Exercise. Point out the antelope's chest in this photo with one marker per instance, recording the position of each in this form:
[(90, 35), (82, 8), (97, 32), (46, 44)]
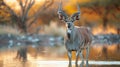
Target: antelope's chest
[(72, 45)]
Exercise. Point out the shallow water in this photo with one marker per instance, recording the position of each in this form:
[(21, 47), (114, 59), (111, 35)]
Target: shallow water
[(61, 64), (57, 57)]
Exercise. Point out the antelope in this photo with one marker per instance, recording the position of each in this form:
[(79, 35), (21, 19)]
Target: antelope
[(77, 38)]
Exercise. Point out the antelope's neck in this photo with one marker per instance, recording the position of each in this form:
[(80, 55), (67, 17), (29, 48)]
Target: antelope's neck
[(70, 34)]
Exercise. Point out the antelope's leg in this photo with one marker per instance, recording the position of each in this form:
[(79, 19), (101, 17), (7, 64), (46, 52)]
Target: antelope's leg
[(77, 55), (87, 55), (70, 58), (81, 56)]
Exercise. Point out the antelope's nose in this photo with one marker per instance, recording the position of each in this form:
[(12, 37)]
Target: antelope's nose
[(68, 25)]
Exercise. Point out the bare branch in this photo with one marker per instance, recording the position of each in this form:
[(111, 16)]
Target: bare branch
[(11, 11), (22, 10), (46, 5), (96, 10), (21, 4), (30, 4), (49, 4), (26, 1)]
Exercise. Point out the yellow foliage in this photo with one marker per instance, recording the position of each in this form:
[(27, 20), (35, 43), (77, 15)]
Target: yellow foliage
[(83, 1), (70, 8)]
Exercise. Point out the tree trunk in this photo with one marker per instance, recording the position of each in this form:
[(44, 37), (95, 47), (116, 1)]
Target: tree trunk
[(105, 23), (22, 26), (118, 30)]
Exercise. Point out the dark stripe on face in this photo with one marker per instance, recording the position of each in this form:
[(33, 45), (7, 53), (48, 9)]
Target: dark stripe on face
[(68, 35)]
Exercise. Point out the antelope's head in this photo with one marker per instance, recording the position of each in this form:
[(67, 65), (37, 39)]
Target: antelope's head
[(68, 20)]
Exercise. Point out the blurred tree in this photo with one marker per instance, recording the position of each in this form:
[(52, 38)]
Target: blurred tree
[(23, 19), (4, 16), (108, 10)]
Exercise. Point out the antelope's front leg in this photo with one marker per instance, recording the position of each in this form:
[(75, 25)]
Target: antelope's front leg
[(77, 55), (81, 56), (70, 58)]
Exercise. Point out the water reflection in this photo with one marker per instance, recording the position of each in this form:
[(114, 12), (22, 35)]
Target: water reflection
[(43, 56)]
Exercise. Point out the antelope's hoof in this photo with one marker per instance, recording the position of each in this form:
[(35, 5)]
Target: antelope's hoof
[(69, 65), (76, 65), (87, 64), (81, 64)]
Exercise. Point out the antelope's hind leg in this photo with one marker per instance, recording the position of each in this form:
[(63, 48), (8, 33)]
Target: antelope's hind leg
[(87, 55), (70, 58)]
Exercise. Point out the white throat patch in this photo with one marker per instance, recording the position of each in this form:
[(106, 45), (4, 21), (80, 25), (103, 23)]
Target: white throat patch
[(69, 31)]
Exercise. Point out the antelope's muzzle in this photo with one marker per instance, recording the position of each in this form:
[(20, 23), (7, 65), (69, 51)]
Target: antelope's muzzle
[(68, 35)]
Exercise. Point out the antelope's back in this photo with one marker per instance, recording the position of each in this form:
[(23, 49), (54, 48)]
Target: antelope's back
[(85, 34)]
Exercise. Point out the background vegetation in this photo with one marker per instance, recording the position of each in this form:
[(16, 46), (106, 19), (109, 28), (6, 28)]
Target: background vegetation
[(31, 16)]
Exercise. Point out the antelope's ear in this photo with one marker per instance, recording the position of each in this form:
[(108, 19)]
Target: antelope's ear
[(76, 16), (61, 13), (60, 17)]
